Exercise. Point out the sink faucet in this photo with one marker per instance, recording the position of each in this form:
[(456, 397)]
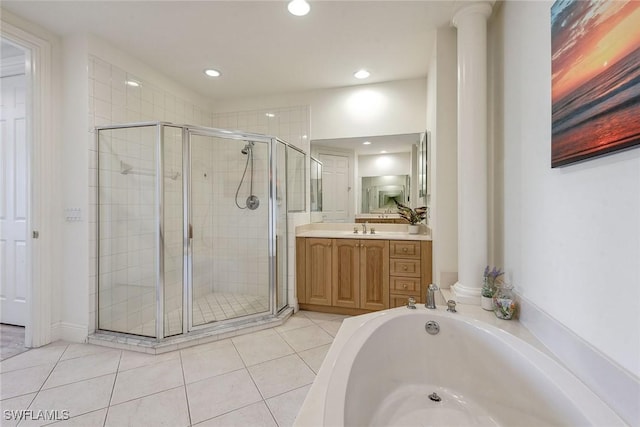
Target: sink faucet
[(364, 227), (431, 296)]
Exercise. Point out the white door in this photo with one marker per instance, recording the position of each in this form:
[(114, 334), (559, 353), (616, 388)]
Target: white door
[(13, 201), (335, 188)]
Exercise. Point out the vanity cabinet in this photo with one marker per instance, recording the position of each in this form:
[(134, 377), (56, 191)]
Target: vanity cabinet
[(318, 271), (406, 271), (355, 276)]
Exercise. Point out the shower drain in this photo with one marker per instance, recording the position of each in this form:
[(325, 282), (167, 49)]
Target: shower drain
[(434, 397)]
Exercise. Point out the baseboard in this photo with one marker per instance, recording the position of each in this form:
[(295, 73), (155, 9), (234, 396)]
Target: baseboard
[(616, 386), (69, 332)]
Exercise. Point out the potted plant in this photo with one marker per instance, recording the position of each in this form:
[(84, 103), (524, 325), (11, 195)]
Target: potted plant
[(413, 216), (489, 286)]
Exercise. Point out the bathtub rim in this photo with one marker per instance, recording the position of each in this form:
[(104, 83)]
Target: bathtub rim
[(351, 336)]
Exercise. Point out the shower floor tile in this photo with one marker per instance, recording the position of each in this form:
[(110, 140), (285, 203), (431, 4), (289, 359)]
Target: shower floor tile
[(212, 307)]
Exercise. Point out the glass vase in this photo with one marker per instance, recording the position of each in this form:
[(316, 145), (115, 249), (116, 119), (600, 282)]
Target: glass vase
[(504, 303)]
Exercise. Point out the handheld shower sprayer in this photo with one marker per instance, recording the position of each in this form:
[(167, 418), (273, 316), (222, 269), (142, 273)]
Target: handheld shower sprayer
[(252, 202)]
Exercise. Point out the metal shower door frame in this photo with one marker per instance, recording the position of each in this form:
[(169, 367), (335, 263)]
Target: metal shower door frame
[(187, 312)]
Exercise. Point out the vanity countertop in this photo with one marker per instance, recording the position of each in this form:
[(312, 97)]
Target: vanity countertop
[(345, 231)]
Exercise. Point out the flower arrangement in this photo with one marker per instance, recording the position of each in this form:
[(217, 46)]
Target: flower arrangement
[(490, 277), (413, 216)]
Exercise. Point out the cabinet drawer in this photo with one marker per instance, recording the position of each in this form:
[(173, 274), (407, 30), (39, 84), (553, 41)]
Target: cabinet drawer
[(405, 284), (404, 249), (404, 267)]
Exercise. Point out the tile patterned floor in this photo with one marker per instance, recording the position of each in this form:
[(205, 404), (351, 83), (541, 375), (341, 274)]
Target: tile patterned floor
[(11, 340), (260, 379)]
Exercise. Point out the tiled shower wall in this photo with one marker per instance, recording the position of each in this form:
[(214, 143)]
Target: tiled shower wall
[(112, 101)]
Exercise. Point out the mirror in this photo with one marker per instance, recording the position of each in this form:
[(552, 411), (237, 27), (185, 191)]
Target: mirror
[(380, 193), (315, 172), (345, 162)]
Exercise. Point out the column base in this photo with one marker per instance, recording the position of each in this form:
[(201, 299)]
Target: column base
[(466, 295)]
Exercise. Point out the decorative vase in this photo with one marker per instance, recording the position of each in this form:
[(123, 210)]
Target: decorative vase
[(414, 228), (504, 302), (486, 303)]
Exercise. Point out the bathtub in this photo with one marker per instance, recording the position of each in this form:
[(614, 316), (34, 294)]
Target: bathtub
[(384, 369)]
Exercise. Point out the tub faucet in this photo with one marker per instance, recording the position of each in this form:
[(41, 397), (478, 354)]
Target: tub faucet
[(431, 296)]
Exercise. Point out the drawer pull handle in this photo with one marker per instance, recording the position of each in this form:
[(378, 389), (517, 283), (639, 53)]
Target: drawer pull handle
[(404, 286), (404, 268), (404, 249)]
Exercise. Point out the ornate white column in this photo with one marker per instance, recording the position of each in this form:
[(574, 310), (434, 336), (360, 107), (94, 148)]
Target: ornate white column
[(471, 22)]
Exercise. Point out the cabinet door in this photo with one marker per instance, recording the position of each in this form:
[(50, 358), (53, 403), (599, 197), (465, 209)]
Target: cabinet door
[(374, 274), (346, 273), (318, 271)]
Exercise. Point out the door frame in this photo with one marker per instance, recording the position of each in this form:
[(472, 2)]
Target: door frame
[(41, 143)]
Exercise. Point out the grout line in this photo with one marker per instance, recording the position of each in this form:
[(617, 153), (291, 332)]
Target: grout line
[(184, 385), (113, 388)]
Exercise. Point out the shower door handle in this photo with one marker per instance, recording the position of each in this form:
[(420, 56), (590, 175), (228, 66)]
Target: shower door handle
[(190, 231)]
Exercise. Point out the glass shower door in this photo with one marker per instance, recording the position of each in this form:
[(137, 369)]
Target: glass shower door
[(229, 233)]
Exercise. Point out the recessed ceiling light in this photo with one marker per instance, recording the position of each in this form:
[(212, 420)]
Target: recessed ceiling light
[(366, 143), (132, 83), (270, 115), (298, 7), (212, 73), (383, 152), (361, 74), (304, 136)]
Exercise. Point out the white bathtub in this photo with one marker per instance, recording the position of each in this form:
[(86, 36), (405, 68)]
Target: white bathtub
[(383, 366)]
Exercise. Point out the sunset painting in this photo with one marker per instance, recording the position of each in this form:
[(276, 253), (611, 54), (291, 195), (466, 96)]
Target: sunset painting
[(595, 67)]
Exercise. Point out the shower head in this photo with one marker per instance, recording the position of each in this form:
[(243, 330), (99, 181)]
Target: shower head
[(247, 148)]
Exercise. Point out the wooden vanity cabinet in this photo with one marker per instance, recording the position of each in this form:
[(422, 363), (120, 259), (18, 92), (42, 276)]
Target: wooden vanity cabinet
[(355, 276), (410, 271), (318, 271), (360, 274)]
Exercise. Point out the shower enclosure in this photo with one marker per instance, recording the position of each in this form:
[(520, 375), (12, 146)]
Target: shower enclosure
[(191, 228)]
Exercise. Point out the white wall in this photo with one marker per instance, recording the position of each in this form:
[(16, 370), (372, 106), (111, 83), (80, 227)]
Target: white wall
[(390, 108), (571, 242), (384, 164), (441, 121)]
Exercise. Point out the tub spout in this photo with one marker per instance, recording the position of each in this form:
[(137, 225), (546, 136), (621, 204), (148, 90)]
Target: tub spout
[(431, 296)]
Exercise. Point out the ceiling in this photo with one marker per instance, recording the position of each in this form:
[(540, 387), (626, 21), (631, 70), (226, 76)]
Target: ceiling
[(389, 143), (258, 46)]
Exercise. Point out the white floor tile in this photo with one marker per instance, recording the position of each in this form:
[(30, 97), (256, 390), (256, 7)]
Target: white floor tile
[(135, 359), (256, 415), (315, 356), (91, 419), (285, 407), (146, 380), (305, 338), (15, 404), (331, 326), (294, 322), (79, 350), (46, 355), (281, 375), (23, 381), (167, 408), (219, 395), (77, 398), (259, 347), (222, 359), (84, 367), (317, 316)]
